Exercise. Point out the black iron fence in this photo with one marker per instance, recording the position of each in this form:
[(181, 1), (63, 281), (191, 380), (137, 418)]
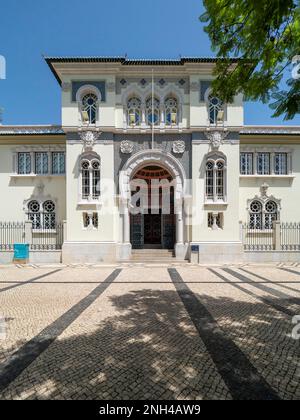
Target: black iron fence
[(281, 237), (39, 239), (11, 233)]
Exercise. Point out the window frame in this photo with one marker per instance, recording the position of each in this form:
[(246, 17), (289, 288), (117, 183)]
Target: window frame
[(218, 179)]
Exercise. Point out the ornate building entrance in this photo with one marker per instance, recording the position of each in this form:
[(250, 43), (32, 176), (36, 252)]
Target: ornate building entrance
[(154, 225)]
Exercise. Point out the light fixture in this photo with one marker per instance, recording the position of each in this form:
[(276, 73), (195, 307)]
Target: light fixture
[(85, 117), (132, 119), (220, 116), (173, 118)]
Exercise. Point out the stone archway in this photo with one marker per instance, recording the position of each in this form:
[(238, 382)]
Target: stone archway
[(176, 170)]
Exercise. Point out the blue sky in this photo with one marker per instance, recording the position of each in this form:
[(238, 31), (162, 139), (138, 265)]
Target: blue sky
[(140, 28)]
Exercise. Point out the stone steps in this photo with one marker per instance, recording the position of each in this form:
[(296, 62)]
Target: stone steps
[(153, 256)]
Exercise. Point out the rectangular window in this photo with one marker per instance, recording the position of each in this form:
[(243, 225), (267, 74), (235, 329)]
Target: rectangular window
[(280, 164), (263, 163), (246, 163), (58, 163), (24, 163), (41, 163)]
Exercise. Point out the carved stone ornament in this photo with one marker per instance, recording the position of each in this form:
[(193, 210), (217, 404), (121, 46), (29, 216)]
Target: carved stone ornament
[(126, 147), (216, 138), (89, 138), (264, 190), (179, 147)]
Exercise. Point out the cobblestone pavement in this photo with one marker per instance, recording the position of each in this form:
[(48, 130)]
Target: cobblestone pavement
[(143, 332)]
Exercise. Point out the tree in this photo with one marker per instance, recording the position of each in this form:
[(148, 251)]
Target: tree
[(265, 36)]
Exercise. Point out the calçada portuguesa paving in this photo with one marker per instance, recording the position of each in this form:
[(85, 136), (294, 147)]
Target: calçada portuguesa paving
[(149, 332)]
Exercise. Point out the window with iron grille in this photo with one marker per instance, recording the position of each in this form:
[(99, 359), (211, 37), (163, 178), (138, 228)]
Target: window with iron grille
[(215, 180), (280, 164), (246, 163), (24, 163), (58, 163), (90, 179), (42, 215), (41, 163), (263, 215), (263, 163)]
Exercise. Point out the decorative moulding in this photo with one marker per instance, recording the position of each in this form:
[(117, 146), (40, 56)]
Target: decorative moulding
[(126, 147), (216, 138), (179, 147), (89, 138)]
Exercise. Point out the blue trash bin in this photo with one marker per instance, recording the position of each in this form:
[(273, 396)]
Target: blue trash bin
[(21, 252)]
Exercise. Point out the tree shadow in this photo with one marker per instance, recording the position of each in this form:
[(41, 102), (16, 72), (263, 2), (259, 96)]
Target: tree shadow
[(151, 350)]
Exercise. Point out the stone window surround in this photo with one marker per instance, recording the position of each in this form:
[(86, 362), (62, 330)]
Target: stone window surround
[(263, 201), (162, 94), (272, 151), (216, 157), (207, 103), (32, 150), (81, 93), (88, 157), (41, 199)]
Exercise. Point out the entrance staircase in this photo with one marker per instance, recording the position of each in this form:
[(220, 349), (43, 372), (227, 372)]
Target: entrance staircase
[(153, 256)]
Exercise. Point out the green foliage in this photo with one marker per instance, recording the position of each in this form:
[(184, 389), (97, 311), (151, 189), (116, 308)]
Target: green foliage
[(265, 35)]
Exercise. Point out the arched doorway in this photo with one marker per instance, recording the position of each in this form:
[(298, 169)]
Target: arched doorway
[(152, 218)]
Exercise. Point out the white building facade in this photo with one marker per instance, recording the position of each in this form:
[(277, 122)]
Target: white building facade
[(147, 158)]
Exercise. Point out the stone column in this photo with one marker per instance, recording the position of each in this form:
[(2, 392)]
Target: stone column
[(126, 224), (276, 237)]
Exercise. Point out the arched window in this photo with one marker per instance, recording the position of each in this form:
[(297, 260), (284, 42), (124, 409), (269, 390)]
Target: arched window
[(152, 111), (271, 214), (214, 106), (256, 215), (89, 104), (262, 215), (34, 214), (90, 179), (49, 215), (134, 111), (210, 180), (42, 214), (215, 179), (171, 111)]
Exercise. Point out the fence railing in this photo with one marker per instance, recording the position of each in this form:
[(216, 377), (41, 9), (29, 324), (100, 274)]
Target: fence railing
[(290, 236), (11, 233), (281, 237), (256, 239), (48, 239), (39, 239)]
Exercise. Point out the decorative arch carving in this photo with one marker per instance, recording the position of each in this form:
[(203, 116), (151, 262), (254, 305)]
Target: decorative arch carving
[(148, 157)]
